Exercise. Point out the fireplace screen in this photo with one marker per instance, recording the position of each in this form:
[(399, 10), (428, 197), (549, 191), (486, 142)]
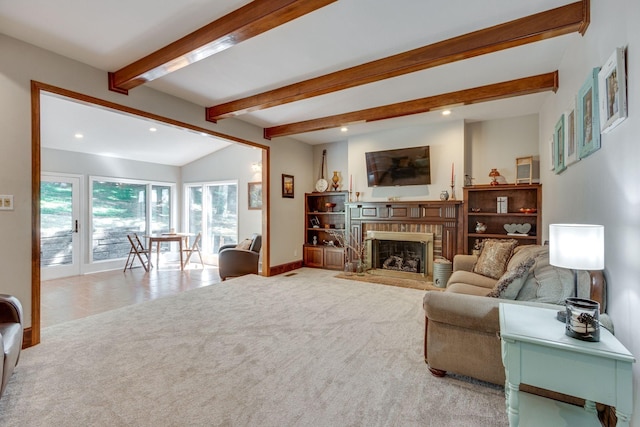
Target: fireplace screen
[(399, 256)]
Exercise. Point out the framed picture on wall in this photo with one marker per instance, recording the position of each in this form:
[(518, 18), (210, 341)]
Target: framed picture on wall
[(588, 117), (570, 143), (558, 143), (287, 186), (255, 195), (612, 86), (552, 153)]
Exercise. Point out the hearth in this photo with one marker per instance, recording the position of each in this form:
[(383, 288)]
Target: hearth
[(400, 254)]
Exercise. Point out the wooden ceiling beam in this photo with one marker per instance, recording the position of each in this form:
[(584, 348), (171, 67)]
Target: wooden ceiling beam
[(509, 89), (244, 23), (567, 19)]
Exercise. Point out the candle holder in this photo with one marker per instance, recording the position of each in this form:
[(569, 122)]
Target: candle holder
[(357, 196), (453, 192), (350, 197)]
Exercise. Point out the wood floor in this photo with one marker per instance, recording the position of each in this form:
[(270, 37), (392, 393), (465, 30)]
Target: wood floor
[(81, 296)]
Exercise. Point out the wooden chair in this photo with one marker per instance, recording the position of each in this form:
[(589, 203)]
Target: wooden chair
[(137, 250), (195, 247)]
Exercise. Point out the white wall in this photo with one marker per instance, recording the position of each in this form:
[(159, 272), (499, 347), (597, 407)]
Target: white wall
[(232, 163), (497, 144), (22, 63), (604, 188), (446, 146), (289, 157)]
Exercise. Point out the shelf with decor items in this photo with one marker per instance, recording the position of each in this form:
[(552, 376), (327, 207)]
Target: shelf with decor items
[(324, 214), (516, 215)]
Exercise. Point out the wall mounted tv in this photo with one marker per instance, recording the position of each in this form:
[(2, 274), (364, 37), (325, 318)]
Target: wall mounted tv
[(404, 166)]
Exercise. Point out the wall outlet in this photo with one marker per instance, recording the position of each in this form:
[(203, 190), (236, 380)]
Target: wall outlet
[(295, 252), (6, 202)]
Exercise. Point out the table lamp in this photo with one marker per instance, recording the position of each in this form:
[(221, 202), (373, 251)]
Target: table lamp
[(578, 247)]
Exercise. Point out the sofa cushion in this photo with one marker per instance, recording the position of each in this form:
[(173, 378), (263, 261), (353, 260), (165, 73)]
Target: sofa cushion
[(522, 253), (509, 285), (467, 277), (494, 257)]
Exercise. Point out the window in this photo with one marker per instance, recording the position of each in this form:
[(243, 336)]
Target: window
[(212, 209), (121, 207)]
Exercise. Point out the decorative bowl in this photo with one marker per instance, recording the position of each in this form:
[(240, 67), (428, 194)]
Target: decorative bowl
[(330, 206)]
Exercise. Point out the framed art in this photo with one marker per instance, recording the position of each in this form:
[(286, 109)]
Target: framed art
[(588, 117), (570, 143), (558, 143), (287, 186), (552, 153), (255, 195), (612, 86)]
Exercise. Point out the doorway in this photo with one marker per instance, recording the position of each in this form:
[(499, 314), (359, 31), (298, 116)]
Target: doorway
[(32, 334)]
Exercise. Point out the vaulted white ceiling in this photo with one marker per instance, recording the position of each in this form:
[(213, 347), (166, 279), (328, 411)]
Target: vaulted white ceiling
[(343, 34)]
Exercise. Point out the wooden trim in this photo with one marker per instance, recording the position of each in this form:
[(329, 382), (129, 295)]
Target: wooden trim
[(34, 331), (32, 335), (251, 20), (284, 268), (551, 23), (519, 87), (27, 338)]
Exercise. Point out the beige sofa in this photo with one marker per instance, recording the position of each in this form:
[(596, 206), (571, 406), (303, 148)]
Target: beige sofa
[(462, 323)]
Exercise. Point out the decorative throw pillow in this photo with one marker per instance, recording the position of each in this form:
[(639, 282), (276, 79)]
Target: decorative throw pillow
[(511, 282), (493, 259), (245, 244)]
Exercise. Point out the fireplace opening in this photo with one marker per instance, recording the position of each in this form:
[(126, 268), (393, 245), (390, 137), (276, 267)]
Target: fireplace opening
[(400, 254)]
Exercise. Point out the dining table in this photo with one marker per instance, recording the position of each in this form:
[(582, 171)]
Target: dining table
[(181, 238)]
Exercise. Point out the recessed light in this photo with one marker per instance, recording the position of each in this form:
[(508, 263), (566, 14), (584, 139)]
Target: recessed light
[(152, 129), (344, 129), (446, 112), (78, 135)]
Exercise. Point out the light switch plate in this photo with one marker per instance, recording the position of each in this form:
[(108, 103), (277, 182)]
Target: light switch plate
[(6, 202)]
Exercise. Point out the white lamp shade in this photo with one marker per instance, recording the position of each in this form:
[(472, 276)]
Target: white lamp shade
[(576, 246)]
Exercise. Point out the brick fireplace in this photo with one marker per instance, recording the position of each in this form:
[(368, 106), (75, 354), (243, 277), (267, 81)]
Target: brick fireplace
[(440, 219)]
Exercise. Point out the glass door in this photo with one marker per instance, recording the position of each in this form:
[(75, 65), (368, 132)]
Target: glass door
[(59, 226)]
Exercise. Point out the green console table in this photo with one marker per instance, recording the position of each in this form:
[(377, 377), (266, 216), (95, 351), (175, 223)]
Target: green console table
[(536, 351)]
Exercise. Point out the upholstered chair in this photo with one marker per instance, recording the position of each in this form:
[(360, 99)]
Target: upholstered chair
[(238, 260), (11, 331)]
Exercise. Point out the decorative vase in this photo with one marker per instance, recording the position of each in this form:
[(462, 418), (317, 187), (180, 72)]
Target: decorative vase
[(444, 195), (360, 268), (336, 181), (348, 268)]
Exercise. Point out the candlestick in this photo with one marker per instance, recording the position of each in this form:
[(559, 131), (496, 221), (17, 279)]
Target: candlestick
[(452, 175), (350, 183)]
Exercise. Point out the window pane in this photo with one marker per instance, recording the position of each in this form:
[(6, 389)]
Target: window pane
[(118, 209), (195, 209), (160, 209), (222, 218), (56, 222)]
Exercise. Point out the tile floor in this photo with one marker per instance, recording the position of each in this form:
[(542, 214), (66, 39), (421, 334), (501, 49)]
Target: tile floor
[(75, 297)]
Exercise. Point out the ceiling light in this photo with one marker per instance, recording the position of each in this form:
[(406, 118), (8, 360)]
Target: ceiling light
[(79, 135), (446, 112), (152, 129), (344, 129)]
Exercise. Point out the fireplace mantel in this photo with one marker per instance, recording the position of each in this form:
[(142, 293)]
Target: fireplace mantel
[(411, 216)]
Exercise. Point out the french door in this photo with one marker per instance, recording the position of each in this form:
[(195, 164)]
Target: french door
[(59, 226)]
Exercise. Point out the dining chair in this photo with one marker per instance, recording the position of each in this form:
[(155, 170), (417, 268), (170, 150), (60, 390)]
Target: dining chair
[(137, 250), (195, 247)]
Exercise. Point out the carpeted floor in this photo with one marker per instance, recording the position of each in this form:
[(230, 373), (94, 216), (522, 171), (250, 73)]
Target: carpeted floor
[(299, 350)]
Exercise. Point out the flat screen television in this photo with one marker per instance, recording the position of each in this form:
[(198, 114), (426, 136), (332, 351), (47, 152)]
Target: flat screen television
[(404, 166)]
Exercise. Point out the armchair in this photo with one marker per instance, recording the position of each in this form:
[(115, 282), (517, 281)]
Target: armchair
[(11, 331), (233, 261)]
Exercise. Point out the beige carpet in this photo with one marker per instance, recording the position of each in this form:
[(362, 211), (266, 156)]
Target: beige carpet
[(293, 350)]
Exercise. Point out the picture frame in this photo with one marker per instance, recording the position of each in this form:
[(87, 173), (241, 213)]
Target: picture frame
[(558, 144), (570, 136), (287, 186), (255, 195), (552, 156), (612, 85), (588, 116)]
